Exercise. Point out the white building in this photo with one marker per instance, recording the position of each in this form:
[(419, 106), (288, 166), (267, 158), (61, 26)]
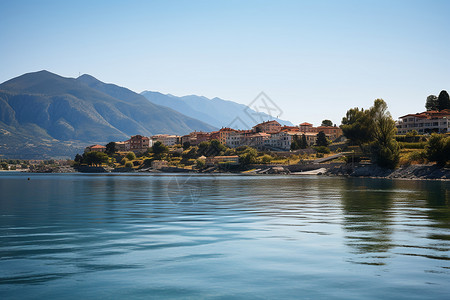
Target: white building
[(425, 122)]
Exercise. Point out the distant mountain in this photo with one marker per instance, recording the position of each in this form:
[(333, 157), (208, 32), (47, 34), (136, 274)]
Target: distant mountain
[(216, 111), (45, 115)]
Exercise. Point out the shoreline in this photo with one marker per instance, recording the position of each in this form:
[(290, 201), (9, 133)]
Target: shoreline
[(411, 172)]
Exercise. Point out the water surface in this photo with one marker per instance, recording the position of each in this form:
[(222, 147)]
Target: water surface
[(78, 236)]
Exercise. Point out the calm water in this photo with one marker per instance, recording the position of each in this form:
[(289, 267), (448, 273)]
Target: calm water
[(110, 236)]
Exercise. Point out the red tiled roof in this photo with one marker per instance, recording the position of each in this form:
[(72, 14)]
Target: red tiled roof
[(97, 147), (306, 124)]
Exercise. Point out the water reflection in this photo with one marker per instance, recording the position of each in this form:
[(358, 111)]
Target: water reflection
[(367, 219), (260, 236)]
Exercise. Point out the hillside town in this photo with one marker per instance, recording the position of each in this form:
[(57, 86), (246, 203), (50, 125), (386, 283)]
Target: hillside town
[(268, 136), (272, 136)]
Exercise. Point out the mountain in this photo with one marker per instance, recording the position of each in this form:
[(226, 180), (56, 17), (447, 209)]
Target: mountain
[(45, 115), (216, 111)]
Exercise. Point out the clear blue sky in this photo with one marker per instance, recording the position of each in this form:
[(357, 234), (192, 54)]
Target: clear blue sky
[(315, 59)]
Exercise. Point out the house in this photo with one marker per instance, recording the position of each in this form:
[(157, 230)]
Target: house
[(122, 146), (224, 133), (425, 122), (255, 139), (138, 143), (281, 140), (214, 160), (332, 132), (195, 138), (98, 148), (166, 139), (268, 127)]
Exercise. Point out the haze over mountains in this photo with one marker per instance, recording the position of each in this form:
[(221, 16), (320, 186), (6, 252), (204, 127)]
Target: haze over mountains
[(44, 115), (216, 111)]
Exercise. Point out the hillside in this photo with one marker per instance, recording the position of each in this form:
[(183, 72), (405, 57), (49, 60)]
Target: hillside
[(45, 115), (216, 111)]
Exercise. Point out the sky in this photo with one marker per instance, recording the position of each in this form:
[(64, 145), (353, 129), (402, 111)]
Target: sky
[(314, 59)]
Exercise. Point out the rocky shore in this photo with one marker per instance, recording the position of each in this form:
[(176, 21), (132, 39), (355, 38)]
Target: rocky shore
[(404, 172), (362, 170)]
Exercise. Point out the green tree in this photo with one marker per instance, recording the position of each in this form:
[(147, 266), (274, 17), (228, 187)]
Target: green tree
[(384, 149), (248, 157), (321, 139), (356, 126), (110, 148), (432, 103), (95, 158), (443, 100), (327, 123), (295, 144), (186, 145), (159, 149), (303, 142), (130, 156), (78, 159), (200, 163), (266, 158), (438, 149)]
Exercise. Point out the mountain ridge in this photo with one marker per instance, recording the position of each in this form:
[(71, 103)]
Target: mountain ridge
[(215, 111), (42, 110)]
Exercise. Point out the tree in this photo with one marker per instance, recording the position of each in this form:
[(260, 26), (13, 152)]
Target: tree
[(110, 148), (159, 149), (356, 126), (384, 149), (432, 103), (78, 159), (327, 123), (295, 144), (248, 156), (303, 142), (443, 100), (186, 145), (130, 156), (438, 149), (95, 158), (321, 139), (376, 128)]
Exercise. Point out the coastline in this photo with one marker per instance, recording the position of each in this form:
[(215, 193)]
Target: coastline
[(413, 172)]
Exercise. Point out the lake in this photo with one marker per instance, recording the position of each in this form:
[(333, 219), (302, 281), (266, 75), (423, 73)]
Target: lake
[(76, 236)]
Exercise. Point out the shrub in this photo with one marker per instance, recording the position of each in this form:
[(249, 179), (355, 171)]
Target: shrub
[(131, 156), (128, 165), (438, 149), (386, 155), (265, 159), (322, 149), (123, 161), (416, 145)]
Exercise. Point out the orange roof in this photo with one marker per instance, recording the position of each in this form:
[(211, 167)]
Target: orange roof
[(306, 124), (97, 147)]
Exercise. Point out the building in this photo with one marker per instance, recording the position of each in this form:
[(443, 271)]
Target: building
[(255, 139), (306, 127), (425, 122), (332, 132), (98, 148), (281, 140), (138, 143), (268, 127), (224, 133), (167, 139), (195, 138), (122, 146)]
